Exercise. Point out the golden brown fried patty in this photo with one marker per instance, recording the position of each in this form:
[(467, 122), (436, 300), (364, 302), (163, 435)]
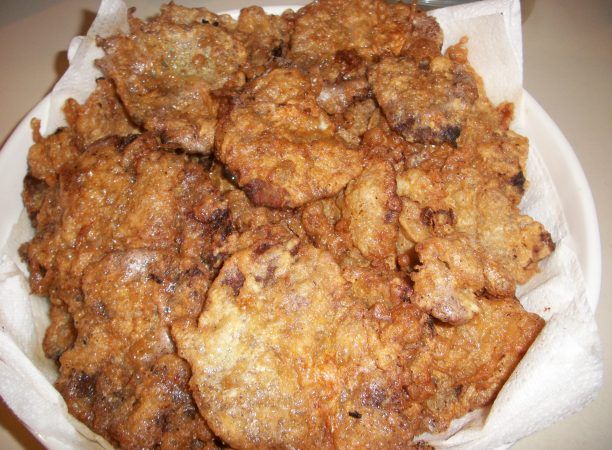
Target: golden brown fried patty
[(284, 357), (426, 102), (371, 28), (166, 68), (464, 367), (281, 146), (458, 190), (122, 376)]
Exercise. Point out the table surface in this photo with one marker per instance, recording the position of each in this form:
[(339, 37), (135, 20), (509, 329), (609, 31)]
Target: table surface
[(568, 69)]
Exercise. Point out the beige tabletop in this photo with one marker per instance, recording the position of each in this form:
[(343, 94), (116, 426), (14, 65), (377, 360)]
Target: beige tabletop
[(568, 69)]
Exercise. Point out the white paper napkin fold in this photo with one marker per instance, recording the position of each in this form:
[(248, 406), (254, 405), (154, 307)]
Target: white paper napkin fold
[(561, 372)]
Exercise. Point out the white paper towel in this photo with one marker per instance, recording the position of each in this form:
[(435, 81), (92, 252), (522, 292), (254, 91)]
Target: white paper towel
[(495, 47), (561, 372)]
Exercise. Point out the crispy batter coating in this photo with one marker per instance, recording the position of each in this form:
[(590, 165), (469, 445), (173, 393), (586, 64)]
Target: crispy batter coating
[(290, 352), (284, 358), (452, 272), (474, 188), (48, 155), (458, 195), (378, 288), (122, 376), (371, 28), (61, 333), (263, 312), (498, 152), (322, 224), (281, 146), (356, 120), (426, 102), (464, 367), (166, 68), (250, 225), (335, 41), (124, 214), (112, 197), (101, 116), (360, 226), (265, 36), (183, 15), (371, 209)]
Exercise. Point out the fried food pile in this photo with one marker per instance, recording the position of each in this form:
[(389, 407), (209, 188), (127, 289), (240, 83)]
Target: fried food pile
[(295, 231)]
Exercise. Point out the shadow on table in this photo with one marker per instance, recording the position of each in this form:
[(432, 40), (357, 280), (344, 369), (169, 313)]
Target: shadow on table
[(526, 8), (61, 58), (17, 430), (60, 62)]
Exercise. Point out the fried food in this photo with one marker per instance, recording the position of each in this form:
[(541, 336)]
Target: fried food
[(251, 354), (122, 376), (453, 271), (48, 155), (426, 101), (335, 41), (101, 116), (265, 36), (166, 69), (465, 366), (321, 221), (371, 209), (250, 225), (289, 353), (282, 357), (294, 231), (461, 190), (370, 28), (357, 119), (281, 146), (472, 186), (120, 254)]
